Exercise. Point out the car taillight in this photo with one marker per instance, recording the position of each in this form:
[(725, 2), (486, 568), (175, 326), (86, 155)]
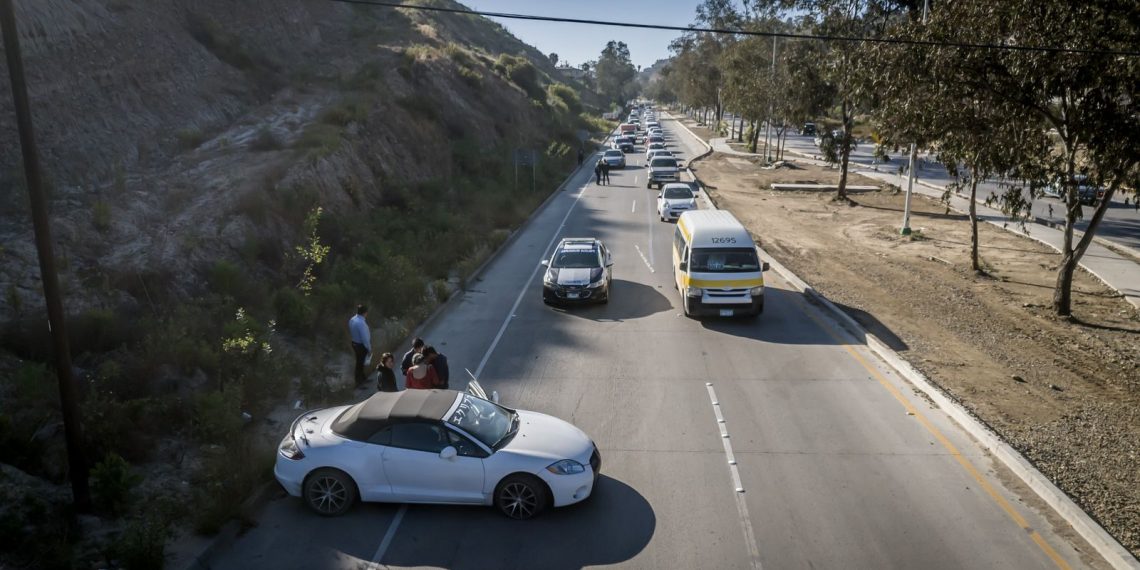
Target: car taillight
[(290, 450)]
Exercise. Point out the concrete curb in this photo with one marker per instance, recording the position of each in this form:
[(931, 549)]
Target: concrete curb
[(1107, 546), (708, 147)]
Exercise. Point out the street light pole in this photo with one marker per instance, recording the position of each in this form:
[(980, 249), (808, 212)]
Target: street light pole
[(768, 130), (69, 406), (913, 158)]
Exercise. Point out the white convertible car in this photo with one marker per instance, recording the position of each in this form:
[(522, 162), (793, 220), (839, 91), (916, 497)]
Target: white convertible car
[(436, 446)]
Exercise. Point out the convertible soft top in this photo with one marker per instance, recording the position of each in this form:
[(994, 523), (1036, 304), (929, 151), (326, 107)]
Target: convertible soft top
[(362, 420)]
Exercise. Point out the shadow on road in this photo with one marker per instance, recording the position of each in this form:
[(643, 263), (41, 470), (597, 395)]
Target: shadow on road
[(613, 526), (628, 300)]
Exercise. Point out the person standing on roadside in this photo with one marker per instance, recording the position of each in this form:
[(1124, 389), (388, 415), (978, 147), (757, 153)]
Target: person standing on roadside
[(605, 172), (385, 376), (421, 376), (406, 362), (361, 341), (598, 172), (581, 157), (439, 363)]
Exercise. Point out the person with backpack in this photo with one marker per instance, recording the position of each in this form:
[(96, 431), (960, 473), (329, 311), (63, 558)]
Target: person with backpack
[(385, 376), (605, 172), (406, 361), (598, 173), (361, 337)]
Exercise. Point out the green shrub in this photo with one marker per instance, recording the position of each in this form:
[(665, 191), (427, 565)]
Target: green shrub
[(226, 278), (112, 482), (228, 477), (419, 106), (101, 216), (293, 310), (322, 139), (567, 96), (217, 416), (142, 545), (347, 111), (520, 71), (440, 290), (190, 138)]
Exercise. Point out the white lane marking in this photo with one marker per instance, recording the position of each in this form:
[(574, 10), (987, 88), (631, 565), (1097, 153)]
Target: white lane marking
[(387, 541), (388, 536), (526, 285), (634, 209), (738, 487), (643, 258)]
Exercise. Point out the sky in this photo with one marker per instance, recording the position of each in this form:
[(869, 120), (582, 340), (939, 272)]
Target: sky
[(577, 43)]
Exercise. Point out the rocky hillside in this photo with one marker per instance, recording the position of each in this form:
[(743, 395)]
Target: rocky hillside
[(173, 132)]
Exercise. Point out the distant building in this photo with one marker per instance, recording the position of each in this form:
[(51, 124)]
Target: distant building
[(572, 72)]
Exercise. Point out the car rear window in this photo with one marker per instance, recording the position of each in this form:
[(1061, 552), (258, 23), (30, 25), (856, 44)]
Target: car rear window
[(664, 162), (613, 152)]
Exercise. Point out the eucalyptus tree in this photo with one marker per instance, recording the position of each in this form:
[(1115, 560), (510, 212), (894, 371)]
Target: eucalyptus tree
[(1075, 108)]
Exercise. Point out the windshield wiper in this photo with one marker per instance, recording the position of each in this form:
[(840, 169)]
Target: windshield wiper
[(510, 432)]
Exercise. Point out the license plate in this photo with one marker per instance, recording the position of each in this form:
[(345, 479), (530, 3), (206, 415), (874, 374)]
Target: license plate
[(726, 312), (575, 296)]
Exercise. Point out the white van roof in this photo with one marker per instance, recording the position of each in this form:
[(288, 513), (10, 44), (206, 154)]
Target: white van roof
[(713, 228)]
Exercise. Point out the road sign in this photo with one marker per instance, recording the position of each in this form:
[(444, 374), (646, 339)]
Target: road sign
[(525, 157)]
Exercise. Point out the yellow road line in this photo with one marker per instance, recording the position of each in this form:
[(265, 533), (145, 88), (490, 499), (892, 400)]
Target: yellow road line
[(950, 447)]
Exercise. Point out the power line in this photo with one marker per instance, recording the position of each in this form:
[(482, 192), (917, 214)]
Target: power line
[(820, 37)]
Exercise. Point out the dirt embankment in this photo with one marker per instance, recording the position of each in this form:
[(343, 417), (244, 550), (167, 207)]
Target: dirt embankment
[(1065, 393)]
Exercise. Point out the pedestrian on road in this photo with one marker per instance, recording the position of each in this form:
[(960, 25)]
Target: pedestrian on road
[(1050, 210), (581, 157), (439, 363), (385, 376), (421, 376), (1136, 204), (605, 172), (598, 172), (361, 341), (406, 362)]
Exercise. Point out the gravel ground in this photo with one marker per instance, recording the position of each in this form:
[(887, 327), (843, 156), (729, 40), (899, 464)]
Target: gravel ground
[(1064, 393)]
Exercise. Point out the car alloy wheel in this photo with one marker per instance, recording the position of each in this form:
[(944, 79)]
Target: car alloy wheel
[(330, 493), (519, 497)]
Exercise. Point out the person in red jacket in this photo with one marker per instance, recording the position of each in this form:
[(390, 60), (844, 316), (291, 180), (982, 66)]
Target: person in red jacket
[(421, 375)]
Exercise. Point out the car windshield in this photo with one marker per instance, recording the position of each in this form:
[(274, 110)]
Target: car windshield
[(575, 259), (488, 422), (664, 162), (677, 193), (724, 260)]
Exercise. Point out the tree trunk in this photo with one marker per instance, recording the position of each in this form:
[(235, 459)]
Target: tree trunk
[(755, 138), (719, 115), (974, 222), (1071, 256), (740, 130), (845, 150)]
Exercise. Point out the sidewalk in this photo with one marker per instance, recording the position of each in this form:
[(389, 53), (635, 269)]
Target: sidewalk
[(1116, 271)]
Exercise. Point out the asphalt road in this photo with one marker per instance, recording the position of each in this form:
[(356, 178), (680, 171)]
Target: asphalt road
[(835, 471)]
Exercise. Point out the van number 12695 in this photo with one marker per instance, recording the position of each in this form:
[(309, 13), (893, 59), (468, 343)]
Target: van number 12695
[(724, 240)]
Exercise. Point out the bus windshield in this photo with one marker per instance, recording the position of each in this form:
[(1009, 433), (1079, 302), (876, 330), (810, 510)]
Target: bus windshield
[(724, 260)]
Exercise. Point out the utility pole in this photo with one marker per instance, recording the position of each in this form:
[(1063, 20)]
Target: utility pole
[(913, 159), (69, 406), (768, 131)]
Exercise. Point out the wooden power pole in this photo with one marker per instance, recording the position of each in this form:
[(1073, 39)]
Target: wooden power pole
[(69, 406)]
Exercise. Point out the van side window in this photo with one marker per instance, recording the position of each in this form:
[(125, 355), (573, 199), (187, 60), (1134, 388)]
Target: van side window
[(679, 242)]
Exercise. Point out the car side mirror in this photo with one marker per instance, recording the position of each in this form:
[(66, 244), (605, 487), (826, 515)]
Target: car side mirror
[(609, 261), (764, 266), (495, 396), (448, 452), (683, 266), (658, 195), (546, 263)]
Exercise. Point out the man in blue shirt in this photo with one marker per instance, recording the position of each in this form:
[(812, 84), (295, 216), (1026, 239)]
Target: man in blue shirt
[(361, 341)]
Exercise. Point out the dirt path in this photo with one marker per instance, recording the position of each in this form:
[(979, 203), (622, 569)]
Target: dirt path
[(1064, 393)]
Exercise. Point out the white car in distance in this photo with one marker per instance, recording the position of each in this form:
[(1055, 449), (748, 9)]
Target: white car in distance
[(675, 199), (435, 446), (652, 147)]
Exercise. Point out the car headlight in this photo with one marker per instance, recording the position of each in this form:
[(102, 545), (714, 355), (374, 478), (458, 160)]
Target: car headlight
[(694, 292), (596, 284), (548, 277), (566, 467), (757, 291)]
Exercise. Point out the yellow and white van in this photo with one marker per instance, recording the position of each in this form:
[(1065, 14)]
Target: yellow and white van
[(716, 265)]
